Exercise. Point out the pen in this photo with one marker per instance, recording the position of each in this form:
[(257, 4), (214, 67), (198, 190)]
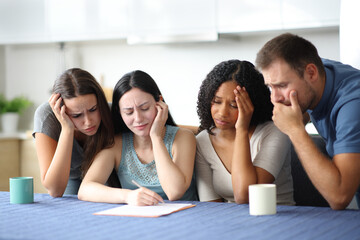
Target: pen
[(136, 183), (139, 186)]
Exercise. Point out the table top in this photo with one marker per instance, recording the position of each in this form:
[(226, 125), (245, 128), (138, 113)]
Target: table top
[(69, 218)]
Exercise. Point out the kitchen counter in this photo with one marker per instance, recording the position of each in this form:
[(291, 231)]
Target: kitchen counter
[(15, 135), (18, 158)]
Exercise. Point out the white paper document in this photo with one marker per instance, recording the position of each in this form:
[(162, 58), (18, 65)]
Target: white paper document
[(146, 211)]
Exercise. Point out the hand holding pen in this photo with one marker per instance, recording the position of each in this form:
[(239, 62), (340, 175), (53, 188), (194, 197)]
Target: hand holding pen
[(143, 196)]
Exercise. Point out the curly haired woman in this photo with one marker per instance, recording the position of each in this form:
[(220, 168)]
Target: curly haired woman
[(238, 144)]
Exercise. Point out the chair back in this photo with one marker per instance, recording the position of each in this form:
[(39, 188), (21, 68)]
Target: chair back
[(305, 194)]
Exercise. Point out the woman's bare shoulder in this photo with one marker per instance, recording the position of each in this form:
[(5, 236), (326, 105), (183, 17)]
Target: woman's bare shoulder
[(184, 136), (115, 147), (194, 129)]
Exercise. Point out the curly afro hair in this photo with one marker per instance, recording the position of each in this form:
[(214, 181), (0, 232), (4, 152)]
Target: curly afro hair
[(245, 74)]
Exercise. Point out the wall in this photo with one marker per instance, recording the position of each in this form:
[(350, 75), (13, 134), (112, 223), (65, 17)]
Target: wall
[(177, 68), (2, 69), (349, 39)]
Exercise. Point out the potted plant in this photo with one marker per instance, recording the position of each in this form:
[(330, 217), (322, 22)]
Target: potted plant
[(10, 111)]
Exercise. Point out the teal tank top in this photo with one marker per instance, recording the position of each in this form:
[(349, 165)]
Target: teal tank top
[(131, 168)]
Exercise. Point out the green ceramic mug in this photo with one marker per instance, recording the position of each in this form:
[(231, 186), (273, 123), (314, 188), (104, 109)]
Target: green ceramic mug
[(21, 190)]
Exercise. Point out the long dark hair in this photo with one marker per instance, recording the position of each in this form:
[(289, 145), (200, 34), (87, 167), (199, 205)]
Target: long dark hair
[(245, 75), (135, 79), (76, 82)]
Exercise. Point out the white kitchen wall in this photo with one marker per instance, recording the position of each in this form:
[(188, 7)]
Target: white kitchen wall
[(177, 68), (2, 69), (349, 33)]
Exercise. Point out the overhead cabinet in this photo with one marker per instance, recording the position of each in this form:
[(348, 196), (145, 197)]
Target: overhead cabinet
[(310, 13), (143, 21), (238, 16), (22, 21), (37, 21), (171, 21), (80, 20)]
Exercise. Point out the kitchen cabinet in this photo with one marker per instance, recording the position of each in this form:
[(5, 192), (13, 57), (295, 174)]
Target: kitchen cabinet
[(171, 21), (22, 21), (238, 16), (9, 161), (310, 14), (18, 158), (160, 21), (40, 21), (29, 165), (81, 20)]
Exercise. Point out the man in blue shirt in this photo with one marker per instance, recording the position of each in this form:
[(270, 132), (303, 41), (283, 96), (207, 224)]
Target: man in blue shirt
[(303, 85)]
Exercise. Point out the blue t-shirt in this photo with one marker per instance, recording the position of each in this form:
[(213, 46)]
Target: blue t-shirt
[(337, 116), (146, 174)]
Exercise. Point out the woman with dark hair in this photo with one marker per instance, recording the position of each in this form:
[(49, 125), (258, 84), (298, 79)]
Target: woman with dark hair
[(238, 144), (149, 150), (70, 129)]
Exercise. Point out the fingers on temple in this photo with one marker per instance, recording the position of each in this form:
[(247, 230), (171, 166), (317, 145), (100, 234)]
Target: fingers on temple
[(242, 98)]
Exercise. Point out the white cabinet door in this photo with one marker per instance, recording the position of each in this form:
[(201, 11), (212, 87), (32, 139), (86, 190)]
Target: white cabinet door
[(248, 15), (36, 21), (79, 20), (310, 13), (22, 21), (171, 21), (236, 16)]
